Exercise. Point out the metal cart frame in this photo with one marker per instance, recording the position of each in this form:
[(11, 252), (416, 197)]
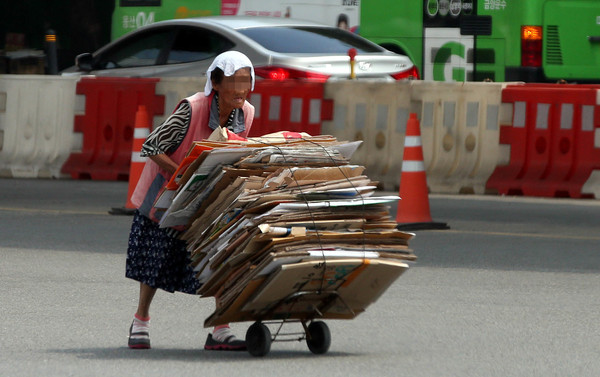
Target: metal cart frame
[(316, 333)]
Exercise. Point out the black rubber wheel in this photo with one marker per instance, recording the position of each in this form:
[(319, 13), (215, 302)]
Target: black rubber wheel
[(318, 338), (258, 339)]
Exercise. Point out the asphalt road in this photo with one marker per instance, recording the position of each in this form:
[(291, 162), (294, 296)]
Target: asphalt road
[(512, 289)]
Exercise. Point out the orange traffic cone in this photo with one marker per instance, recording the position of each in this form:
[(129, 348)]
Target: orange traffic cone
[(413, 207), (140, 133)]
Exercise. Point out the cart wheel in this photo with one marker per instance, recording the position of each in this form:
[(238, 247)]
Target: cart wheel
[(319, 337), (258, 339)]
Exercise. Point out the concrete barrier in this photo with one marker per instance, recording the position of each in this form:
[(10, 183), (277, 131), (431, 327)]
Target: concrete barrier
[(459, 128), (375, 112), (460, 125), (36, 124), (174, 89), (460, 131)]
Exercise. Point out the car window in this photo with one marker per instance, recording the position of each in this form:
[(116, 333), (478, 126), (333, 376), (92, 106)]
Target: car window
[(309, 40), (139, 51), (193, 44)]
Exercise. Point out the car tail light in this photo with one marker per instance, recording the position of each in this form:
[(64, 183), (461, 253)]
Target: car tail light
[(280, 73), (412, 73), (531, 46)]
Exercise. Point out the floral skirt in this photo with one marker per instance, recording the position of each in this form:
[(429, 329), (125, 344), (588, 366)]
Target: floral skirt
[(157, 259)]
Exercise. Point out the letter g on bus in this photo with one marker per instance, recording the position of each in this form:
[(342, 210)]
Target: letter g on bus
[(443, 58)]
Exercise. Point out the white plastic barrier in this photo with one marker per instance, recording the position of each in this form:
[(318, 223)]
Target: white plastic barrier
[(403, 107), (36, 124), (459, 129), (592, 185), (376, 113), (175, 89), (460, 133)]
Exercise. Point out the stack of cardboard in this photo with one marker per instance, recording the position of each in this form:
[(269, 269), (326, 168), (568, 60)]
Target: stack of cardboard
[(282, 229)]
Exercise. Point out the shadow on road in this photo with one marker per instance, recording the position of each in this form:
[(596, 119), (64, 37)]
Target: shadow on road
[(124, 353)]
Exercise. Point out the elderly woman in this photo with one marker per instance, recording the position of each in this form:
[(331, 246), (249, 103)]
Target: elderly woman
[(155, 256)]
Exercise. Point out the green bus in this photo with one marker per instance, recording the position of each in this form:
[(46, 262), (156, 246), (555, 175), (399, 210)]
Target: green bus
[(133, 14), (498, 40)]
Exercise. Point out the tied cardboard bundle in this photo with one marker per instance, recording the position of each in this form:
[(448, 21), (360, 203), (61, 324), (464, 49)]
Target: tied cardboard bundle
[(284, 228)]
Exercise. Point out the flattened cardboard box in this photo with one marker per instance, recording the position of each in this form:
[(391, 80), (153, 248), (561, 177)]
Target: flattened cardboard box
[(358, 283)]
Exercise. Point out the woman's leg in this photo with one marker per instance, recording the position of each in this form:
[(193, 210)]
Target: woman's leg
[(146, 296), (138, 332), (222, 338)]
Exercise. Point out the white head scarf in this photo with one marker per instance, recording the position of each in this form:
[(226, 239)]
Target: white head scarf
[(229, 62)]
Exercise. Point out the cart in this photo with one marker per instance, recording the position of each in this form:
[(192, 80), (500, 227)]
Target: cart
[(315, 332), (305, 292)]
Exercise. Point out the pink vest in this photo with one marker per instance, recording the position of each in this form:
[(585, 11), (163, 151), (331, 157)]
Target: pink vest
[(153, 178)]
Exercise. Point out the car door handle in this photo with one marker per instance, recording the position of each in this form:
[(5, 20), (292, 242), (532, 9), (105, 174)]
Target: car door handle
[(594, 38)]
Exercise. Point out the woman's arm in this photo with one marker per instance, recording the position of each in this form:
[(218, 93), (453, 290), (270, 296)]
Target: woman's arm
[(167, 137), (165, 162)]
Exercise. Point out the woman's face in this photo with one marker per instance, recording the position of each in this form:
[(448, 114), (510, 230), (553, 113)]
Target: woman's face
[(234, 89)]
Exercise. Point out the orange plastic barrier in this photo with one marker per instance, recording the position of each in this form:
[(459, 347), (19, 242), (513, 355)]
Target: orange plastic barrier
[(551, 138), (107, 125), (289, 106)]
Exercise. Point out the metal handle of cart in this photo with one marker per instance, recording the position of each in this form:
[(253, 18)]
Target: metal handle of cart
[(329, 299)]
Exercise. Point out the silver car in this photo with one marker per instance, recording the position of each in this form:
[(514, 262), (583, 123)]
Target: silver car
[(279, 48)]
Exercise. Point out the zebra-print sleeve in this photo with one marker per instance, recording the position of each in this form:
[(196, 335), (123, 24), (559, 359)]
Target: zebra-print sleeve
[(167, 137)]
